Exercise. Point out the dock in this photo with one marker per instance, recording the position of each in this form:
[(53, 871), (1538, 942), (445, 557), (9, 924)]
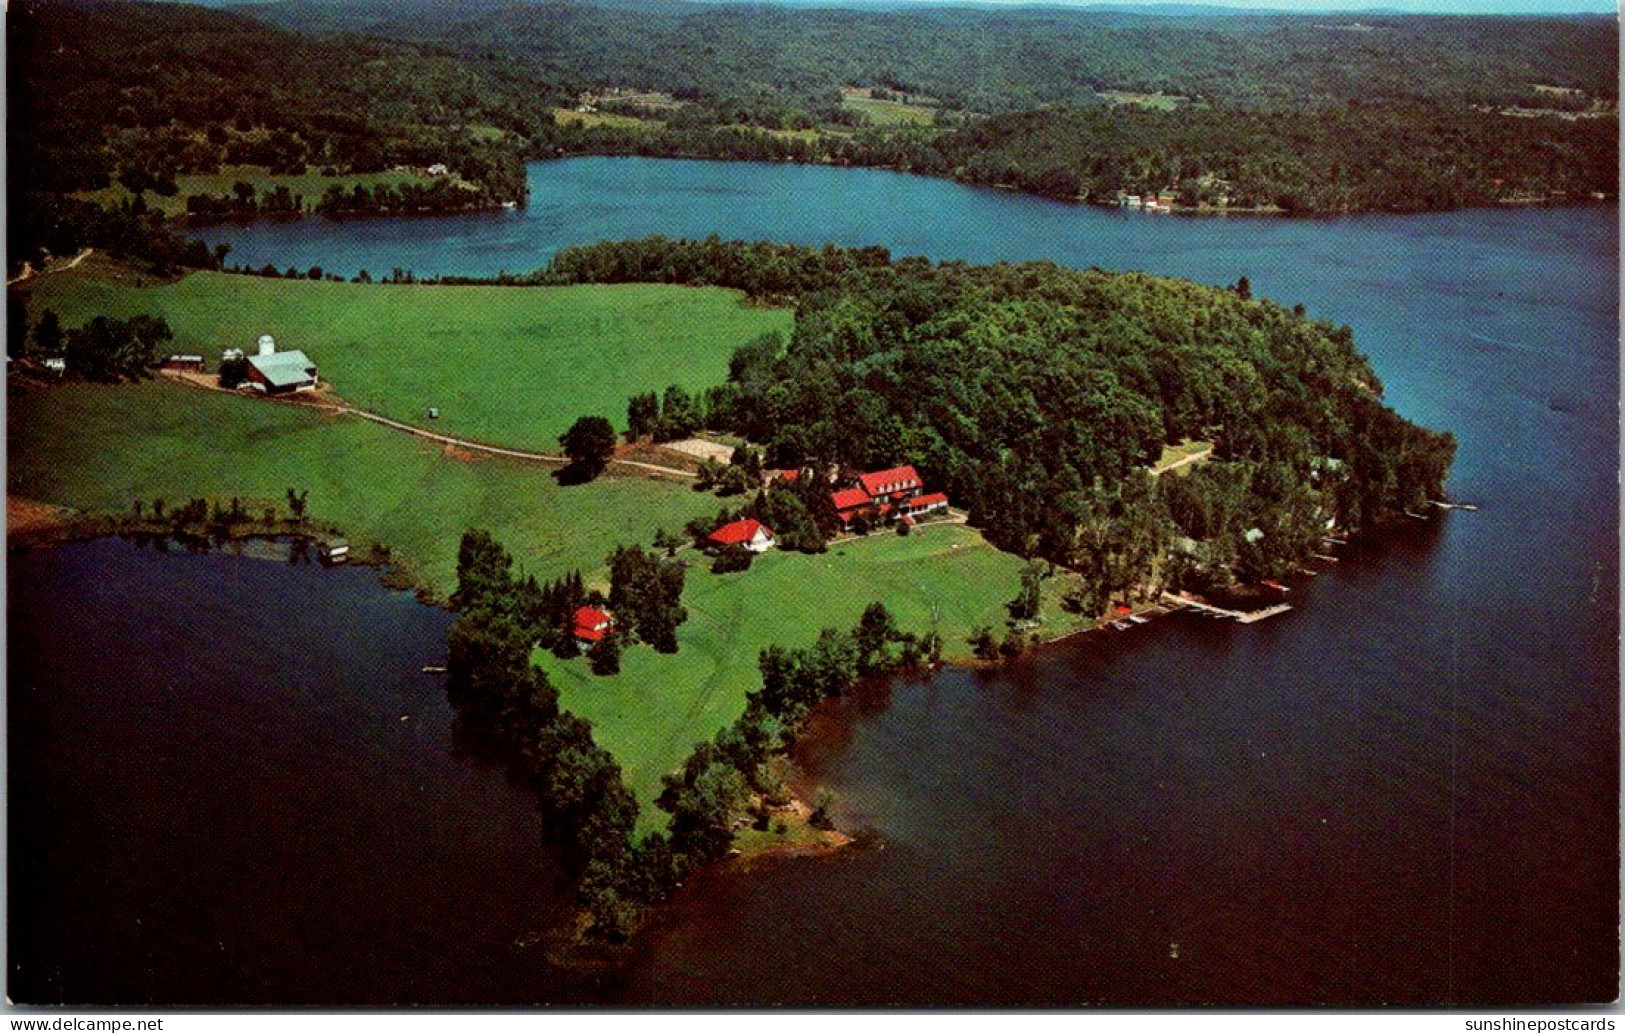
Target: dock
[(1239, 616), (1468, 506)]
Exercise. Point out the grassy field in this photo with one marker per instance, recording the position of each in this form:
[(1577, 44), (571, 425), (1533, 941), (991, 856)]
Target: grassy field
[(310, 185), (594, 119), (1154, 101), (101, 448), (887, 112), (506, 365), (653, 712)]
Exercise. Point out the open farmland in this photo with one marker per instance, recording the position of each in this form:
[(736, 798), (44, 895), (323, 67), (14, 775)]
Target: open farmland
[(507, 365), (92, 447)]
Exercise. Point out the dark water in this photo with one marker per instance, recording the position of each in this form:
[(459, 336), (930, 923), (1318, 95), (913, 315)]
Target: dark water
[(1406, 790), (213, 798)]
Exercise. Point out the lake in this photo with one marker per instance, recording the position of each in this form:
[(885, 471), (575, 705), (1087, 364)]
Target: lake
[(230, 781), (1404, 791)]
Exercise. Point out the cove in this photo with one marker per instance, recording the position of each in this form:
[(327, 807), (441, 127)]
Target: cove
[(230, 782)]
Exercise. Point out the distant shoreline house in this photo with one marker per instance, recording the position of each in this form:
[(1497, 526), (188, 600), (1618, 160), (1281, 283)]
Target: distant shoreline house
[(188, 363), (753, 535), (885, 495)]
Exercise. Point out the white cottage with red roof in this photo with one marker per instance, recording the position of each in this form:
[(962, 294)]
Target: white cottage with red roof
[(754, 535)]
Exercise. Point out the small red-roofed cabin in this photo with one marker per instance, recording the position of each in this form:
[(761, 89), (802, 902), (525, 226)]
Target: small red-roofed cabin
[(592, 624), (754, 535), (900, 482)]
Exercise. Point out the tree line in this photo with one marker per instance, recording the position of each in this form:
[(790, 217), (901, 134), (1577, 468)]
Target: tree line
[(508, 712)]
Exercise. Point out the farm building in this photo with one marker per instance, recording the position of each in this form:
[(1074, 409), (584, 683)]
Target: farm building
[(190, 363), (754, 535), (592, 624), (281, 372)]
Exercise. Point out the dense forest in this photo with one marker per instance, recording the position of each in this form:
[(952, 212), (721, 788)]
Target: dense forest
[(1265, 111), (1001, 60), (1037, 396), (1413, 156)]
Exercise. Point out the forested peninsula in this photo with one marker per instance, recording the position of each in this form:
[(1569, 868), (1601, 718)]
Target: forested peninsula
[(1037, 396), (134, 117)]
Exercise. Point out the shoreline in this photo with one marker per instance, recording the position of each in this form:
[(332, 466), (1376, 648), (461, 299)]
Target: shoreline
[(1205, 211)]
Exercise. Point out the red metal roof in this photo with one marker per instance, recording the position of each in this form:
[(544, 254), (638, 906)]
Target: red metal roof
[(789, 475), (850, 498), (738, 532), (921, 501), (592, 623), (875, 483)]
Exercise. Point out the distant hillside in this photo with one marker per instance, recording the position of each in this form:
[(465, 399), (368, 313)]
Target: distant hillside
[(997, 59), (99, 90)]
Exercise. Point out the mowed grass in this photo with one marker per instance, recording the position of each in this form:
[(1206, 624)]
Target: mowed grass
[(652, 713), (505, 365), (101, 448), (595, 119), (888, 112), (310, 186)]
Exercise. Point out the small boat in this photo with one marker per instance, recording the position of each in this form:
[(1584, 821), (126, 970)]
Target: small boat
[(1119, 626), (1275, 585), (433, 669), (1137, 619)]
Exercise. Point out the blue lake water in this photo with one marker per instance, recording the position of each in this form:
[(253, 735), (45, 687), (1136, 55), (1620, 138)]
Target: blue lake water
[(1406, 790)]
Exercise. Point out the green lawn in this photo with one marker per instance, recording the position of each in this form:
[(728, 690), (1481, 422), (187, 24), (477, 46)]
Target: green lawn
[(100, 448), (1154, 101), (595, 119), (888, 112), (653, 712), (506, 365), (311, 185)]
